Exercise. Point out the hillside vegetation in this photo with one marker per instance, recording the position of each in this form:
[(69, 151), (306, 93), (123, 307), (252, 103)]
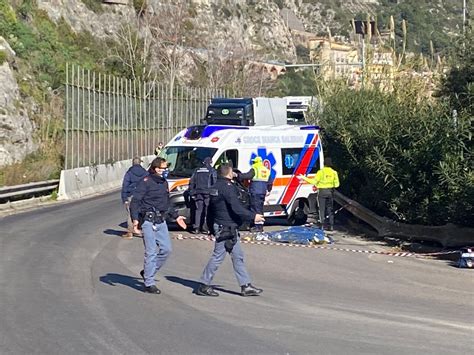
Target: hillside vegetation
[(403, 155)]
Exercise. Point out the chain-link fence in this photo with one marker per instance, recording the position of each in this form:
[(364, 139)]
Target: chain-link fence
[(110, 119)]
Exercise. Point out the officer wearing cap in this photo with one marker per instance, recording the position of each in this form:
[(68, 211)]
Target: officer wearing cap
[(149, 208), (227, 213), (200, 188), (133, 175)]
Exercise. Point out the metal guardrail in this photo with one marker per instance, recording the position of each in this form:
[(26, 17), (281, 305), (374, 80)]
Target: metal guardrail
[(19, 192)]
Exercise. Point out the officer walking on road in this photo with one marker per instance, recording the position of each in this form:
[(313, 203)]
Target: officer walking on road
[(149, 208), (227, 214), (200, 188), (326, 180), (260, 187), (133, 175)]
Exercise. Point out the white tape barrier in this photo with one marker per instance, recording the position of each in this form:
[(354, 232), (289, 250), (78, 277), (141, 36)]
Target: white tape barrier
[(90, 180), (312, 246)]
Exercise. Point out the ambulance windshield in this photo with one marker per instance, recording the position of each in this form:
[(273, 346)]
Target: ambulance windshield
[(184, 160)]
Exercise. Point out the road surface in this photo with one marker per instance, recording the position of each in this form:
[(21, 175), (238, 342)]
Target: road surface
[(70, 285)]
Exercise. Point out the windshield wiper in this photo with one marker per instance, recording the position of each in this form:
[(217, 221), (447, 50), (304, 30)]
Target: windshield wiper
[(184, 175)]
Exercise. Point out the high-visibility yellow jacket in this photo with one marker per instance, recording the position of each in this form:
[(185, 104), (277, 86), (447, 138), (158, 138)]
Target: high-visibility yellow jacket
[(262, 173), (326, 178)]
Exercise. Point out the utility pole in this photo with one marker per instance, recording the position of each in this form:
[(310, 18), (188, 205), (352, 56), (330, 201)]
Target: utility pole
[(463, 16)]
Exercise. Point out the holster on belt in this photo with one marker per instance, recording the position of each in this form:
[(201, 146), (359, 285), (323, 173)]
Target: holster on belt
[(154, 217), (228, 234)]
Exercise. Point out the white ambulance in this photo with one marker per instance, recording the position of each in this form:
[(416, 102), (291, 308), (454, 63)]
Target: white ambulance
[(286, 150)]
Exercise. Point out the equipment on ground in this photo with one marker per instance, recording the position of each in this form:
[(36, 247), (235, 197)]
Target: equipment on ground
[(466, 258)]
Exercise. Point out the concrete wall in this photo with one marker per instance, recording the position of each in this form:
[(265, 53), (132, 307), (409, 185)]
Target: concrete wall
[(90, 180)]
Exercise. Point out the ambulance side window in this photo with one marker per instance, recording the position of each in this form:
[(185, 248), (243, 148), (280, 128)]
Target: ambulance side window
[(290, 157), (229, 156)]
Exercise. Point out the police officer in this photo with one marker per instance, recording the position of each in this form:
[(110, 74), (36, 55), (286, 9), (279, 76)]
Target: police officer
[(260, 187), (227, 214), (326, 180), (200, 188), (150, 207), (133, 175)]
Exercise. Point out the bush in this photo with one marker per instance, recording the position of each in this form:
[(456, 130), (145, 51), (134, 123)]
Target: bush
[(94, 5), (139, 6), (3, 57), (402, 157)]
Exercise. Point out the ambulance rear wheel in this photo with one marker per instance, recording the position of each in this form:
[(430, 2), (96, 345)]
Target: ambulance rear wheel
[(298, 217)]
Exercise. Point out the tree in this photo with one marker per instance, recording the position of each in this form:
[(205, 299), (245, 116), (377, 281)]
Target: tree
[(401, 156), (458, 85)]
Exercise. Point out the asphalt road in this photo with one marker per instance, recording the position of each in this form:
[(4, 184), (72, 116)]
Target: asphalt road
[(70, 285)]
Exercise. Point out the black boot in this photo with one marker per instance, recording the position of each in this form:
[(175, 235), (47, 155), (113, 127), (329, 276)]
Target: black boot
[(250, 290), (152, 289), (204, 290), (142, 274)]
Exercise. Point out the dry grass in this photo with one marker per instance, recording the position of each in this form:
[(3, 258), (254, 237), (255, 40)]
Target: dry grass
[(39, 166)]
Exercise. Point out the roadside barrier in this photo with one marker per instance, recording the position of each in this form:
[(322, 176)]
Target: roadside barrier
[(89, 180), (19, 192)]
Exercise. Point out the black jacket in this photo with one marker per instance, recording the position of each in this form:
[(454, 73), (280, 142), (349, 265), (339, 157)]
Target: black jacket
[(225, 208), (151, 194), (202, 180), (130, 180)]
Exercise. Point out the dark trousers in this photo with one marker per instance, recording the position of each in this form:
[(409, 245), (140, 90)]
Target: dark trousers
[(326, 201), (202, 203), (218, 256), (256, 205)]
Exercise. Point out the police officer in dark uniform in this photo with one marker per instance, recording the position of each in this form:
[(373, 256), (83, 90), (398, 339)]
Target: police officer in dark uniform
[(149, 208), (200, 188), (260, 186), (227, 213)]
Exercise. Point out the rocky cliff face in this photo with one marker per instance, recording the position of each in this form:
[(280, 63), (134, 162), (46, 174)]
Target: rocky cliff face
[(16, 129), (81, 18), (259, 29)]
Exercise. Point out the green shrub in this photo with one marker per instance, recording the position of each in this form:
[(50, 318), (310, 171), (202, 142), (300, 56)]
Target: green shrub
[(227, 13), (94, 5), (402, 157), (139, 5), (3, 57)]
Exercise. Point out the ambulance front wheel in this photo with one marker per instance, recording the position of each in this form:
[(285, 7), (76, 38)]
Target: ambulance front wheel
[(299, 216)]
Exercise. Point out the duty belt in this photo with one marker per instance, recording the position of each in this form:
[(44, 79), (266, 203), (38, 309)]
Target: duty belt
[(154, 217)]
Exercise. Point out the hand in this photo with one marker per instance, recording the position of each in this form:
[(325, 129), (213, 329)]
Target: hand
[(126, 203), (180, 222), (259, 218), (234, 174), (136, 230), (299, 177)]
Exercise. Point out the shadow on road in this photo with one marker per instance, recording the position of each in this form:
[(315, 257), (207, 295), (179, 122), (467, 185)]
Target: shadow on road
[(193, 285), (115, 279), (220, 289), (114, 232)]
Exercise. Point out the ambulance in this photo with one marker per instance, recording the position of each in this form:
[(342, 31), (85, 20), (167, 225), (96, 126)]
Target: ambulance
[(287, 150)]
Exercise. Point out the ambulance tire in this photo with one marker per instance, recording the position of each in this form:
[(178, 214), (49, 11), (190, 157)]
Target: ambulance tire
[(298, 217)]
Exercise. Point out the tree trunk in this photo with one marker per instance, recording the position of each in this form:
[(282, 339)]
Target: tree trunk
[(449, 235)]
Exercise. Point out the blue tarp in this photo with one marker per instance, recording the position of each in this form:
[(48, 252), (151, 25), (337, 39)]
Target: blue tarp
[(297, 235)]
